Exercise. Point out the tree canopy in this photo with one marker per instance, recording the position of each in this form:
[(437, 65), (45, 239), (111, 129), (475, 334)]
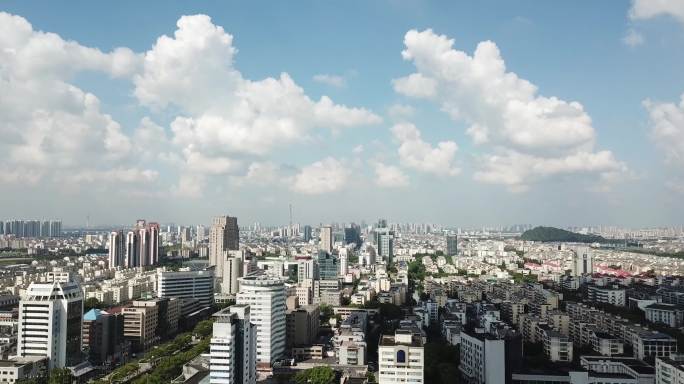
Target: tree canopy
[(316, 375), (551, 234)]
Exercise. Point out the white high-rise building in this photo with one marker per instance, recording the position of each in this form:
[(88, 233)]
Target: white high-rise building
[(153, 230), (187, 284), (483, 358), (223, 236), (132, 249), (401, 358), (232, 271), (117, 249), (385, 243), (233, 347), (142, 245), (326, 241), (266, 297), (306, 269), (582, 261), (50, 320), (344, 257)]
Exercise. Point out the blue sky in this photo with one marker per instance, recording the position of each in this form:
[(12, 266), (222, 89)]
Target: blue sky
[(624, 167)]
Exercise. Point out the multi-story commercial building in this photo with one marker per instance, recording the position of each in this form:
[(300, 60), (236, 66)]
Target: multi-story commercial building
[(168, 314), (266, 298), (19, 369), (140, 326), (142, 245), (385, 241), (233, 347), (489, 359), (50, 319), (451, 245), (327, 265), (401, 358), (582, 263), (307, 269), (303, 324), (187, 284), (307, 233), (223, 236), (344, 261), (117, 249), (326, 239), (232, 271), (103, 337), (327, 292)]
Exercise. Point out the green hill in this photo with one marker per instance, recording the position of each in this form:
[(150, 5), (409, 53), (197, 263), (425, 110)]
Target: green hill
[(550, 234)]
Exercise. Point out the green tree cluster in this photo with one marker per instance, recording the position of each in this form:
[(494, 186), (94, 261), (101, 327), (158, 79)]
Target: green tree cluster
[(316, 375), (551, 234)]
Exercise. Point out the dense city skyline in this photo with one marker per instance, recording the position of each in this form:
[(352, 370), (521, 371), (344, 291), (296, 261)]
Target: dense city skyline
[(557, 114)]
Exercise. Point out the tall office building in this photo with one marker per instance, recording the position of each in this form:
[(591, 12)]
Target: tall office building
[(132, 249), (50, 320), (401, 358), (307, 233), (352, 235), (117, 249), (487, 358), (141, 245), (55, 228), (327, 266), (153, 230), (233, 347), (385, 242), (326, 239), (451, 245), (266, 298), (103, 337), (45, 229), (307, 269), (223, 236), (582, 263), (232, 271), (344, 260), (303, 324)]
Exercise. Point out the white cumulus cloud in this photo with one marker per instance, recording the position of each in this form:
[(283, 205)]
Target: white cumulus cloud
[(389, 176), (224, 115), (501, 110), (324, 176), (647, 9), (47, 124), (331, 80), (417, 154), (667, 128)]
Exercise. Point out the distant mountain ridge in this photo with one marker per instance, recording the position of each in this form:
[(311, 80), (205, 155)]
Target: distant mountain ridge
[(551, 234)]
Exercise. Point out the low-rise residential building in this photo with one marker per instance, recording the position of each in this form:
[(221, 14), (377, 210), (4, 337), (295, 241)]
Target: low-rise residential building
[(671, 315)]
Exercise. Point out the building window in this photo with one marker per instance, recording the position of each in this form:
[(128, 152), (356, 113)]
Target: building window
[(401, 356)]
